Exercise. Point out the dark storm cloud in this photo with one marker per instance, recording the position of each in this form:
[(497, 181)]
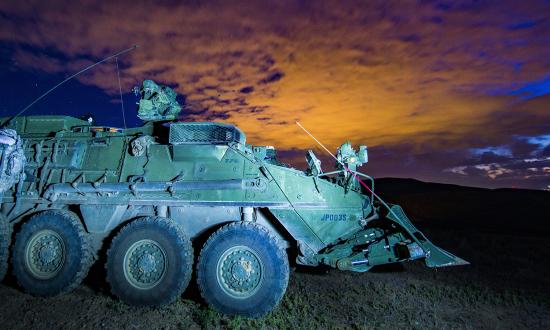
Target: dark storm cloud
[(521, 25), (247, 89), (272, 77), (522, 161), (410, 38)]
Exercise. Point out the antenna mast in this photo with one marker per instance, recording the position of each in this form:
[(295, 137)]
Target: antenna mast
[(116, 55)]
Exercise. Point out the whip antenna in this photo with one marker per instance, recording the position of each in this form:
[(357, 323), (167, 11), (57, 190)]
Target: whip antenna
[(347, 169), (69, 78), (120, 91)]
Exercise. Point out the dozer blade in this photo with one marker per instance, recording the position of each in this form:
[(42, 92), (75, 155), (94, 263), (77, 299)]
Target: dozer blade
[(434, 256)]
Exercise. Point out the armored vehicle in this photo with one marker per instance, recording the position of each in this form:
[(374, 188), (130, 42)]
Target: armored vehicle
[(72, 189)]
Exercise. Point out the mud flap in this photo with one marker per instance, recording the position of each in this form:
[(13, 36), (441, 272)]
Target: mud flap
[(435, 256)]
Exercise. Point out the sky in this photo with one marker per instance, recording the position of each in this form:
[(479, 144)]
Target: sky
[(442, 91)]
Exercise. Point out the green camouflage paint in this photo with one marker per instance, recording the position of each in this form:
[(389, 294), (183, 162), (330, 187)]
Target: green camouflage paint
[(202, 175)]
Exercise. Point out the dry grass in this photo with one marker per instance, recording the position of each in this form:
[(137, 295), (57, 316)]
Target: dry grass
[(505, 287)]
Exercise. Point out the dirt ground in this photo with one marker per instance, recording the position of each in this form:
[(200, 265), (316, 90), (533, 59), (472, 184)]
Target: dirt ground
[(506, 286)]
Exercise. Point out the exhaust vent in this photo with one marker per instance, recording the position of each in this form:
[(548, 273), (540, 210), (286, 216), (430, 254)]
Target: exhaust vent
[(205, 133)]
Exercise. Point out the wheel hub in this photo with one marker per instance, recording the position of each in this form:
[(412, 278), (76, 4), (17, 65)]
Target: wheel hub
[(145, 264), (240, 272), (45, 254)]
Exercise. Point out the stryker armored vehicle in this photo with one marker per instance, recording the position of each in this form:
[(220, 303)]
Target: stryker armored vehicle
[(72, 190)]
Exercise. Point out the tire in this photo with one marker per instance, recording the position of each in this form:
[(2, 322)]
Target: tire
[(5, 240), (51, 254), (242, 270), (162, 258)]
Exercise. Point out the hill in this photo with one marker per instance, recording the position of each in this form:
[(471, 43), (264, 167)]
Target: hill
[(447, 205)]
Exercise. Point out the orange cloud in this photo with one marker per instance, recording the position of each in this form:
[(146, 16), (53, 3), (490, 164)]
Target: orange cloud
[(377, 73)]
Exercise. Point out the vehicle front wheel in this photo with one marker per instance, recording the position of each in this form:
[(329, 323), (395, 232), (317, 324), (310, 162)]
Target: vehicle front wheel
[(51, 254), (5, 240), (150, 262), (242, 270)]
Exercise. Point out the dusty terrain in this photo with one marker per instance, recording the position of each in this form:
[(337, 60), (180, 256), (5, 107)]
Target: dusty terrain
[(506, 286)]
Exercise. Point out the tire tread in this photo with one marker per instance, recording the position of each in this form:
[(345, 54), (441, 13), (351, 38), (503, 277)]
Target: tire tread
[(5, 239), (87, 254), (281, 255), (183, 241)]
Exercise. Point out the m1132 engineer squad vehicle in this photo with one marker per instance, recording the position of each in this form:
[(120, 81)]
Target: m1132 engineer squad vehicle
[(71, 189)]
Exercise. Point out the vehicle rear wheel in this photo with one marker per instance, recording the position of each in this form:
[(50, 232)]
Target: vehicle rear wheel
[(51, 254), (149, 262), (242, 270), (5, 240)]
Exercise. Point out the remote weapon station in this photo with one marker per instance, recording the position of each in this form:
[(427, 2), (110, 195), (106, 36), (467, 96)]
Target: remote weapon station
[(72, 191)]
